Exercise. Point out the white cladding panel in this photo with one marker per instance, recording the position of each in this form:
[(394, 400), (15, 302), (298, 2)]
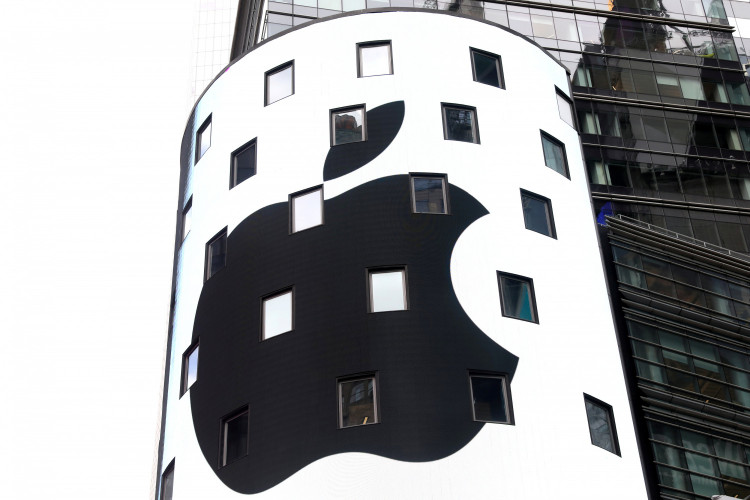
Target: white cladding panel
[(573, 350)]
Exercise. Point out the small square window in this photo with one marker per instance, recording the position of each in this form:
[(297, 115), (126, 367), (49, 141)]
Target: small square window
[(460, 123), (429, 194), (486, 68), (601, 424), (517, 297), (216, 253), (307, 209), (554, 154), (374, 59), (279, 82), (243, 163), (278, 314), (565, 107), (348, 125), (537, 214), (189, 368), (167, 483), (203, 139), (234, 436), (358, 401), (187, 218), (387, 290), (490, 398)]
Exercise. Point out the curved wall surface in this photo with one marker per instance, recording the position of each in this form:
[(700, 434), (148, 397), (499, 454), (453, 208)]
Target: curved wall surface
[(427, 437)]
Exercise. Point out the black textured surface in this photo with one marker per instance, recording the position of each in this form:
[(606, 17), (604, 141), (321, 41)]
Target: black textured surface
[(382, 125), (422, 355)]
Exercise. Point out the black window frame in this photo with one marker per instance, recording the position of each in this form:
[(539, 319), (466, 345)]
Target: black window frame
[(506, 396), (207, 260), (242, 410), (383, 270), (293, 196), (498, 65), (544, 135), (517, 277), (332, 123), (412, 192), (185, 211), (374, 43), (548, 209), (252, 143), (272, 295), (475, 121), (186, 367), (375, 398), (167, 471), (610, 420), (208, 122), (273, 71)]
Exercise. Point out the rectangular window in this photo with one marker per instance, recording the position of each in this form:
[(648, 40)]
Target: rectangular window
[(243, 163), (537, 214), (189, 368), (279, 82), (203, 139), (486, 68), (429, 194), (306, 209), (348, 125), (565, 107), (460, 123), (517, 297), (234, 436), (490, 398), (277, 314), (187, 218), (387, 290), (167, 483), (216, 253), (554, 154), (357, 401), (601, 424), (374, 59)]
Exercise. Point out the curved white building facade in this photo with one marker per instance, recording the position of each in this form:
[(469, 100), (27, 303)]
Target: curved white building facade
[(390, 286)]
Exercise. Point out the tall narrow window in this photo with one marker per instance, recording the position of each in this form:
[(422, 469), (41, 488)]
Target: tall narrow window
[(601, 424), (243, 163), (348, 125), (537, 214), (387, 290), (189, 367), (565, 107), (374, 59), (517, 297), (279, 82), (167, 483), (460, 123), (357, 401), (187, 218), (234, 436), (489, 397), (554, 154), (486, 68), (216, 253), (429, 194), (306, 209), (203, 139), (278, 314)]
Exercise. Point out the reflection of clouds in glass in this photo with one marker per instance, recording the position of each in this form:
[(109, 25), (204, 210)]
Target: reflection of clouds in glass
[(205, 140), (277, 315), (387, 291), (192, 371), (307, 210), (376, 60), (279, 85)]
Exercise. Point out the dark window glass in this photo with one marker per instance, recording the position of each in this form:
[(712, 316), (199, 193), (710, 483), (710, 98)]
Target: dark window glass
[(601, 425), (554, 154), (234, 442), (517, 297), (348, 125), (243, 163), (357, 402), (460, 124), (429, 195), (489, 399), (203, 139), (189, 367), (537, 214), (167, 483), (486, 68), (216, 254)]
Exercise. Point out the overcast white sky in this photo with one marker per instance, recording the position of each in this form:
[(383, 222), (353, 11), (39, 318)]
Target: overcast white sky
[(93, 100)]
